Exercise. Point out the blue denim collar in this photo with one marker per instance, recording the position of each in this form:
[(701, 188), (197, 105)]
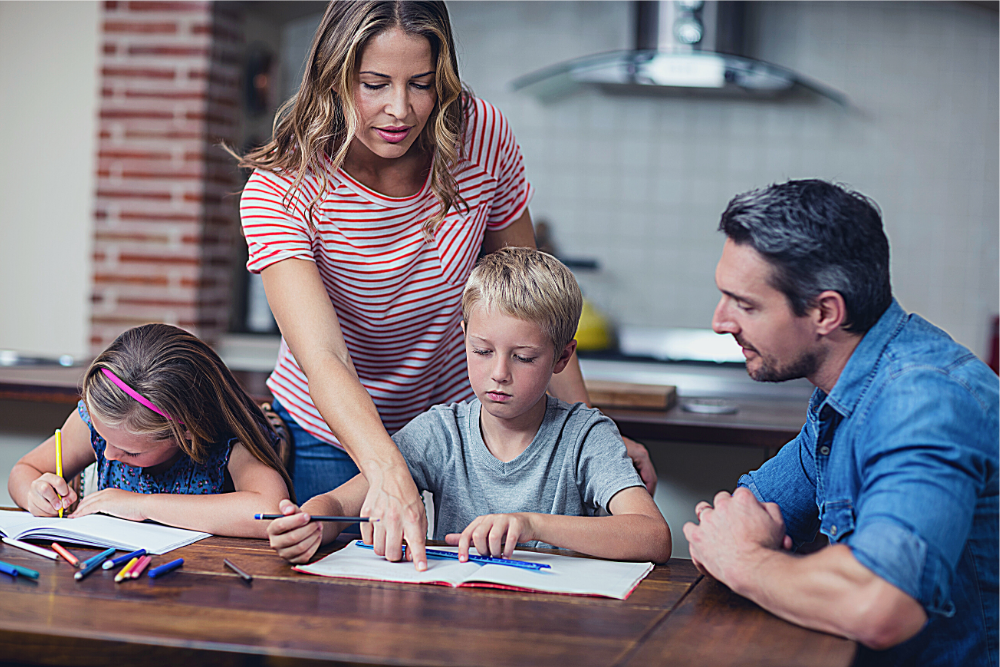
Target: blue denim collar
[(861, 367)]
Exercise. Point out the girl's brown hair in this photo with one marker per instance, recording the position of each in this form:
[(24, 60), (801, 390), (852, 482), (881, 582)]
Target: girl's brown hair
[(320, 120), (186, 379)]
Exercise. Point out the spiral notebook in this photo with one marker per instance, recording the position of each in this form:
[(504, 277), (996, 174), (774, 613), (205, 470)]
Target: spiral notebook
[(567, 575), (98, 530)]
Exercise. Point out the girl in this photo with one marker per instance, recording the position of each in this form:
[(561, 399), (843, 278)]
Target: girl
[(175, 437), (384, 180)]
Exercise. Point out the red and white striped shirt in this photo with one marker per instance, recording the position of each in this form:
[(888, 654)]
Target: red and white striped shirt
[(397, 294)]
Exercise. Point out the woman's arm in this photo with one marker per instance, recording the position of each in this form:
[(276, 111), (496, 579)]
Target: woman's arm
[(310, 327), (33, 483), (259, 488), (635, 531)]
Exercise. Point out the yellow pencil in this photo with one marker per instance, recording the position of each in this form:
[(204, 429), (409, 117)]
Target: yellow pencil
[(122, 573), (59, 464)]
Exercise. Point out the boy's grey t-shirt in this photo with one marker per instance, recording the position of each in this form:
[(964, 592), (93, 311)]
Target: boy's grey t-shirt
[(575, 465)]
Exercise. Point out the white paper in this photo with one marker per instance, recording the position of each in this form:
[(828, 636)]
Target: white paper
[(98, 530), (569, 575)]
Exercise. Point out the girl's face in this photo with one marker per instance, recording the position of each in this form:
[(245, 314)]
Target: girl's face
[(395, 93), (138, 451)]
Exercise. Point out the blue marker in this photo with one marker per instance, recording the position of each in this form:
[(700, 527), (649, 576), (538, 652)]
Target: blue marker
[(23, 571), (163, 569), (8, 569), (115, 562)]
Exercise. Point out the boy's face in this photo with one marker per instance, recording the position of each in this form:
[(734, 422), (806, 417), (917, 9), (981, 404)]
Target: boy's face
[(510, 363)]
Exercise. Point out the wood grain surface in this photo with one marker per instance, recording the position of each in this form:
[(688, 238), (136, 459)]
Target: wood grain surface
[(203, 614)]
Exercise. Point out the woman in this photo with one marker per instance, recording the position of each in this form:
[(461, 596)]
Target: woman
[(365, 214)]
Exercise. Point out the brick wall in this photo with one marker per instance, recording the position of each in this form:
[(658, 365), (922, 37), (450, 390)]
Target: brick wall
[(166, 214)]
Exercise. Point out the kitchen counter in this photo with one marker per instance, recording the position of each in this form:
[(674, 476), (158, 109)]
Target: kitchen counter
[(767, 416)]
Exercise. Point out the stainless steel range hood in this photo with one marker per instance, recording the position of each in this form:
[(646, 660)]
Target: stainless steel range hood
[(681, 47)]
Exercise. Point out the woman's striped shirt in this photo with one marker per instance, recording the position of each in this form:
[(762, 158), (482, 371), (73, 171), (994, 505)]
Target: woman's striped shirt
[(396, 293)]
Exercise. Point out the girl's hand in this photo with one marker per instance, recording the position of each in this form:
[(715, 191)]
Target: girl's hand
[(116, 502), (487, 533), (44, 495), (294, 537)]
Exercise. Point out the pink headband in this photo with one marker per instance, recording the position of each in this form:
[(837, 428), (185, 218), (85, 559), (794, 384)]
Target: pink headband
[(134, 394)]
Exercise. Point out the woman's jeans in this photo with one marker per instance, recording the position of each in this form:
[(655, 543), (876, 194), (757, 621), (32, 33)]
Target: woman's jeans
[(316, 466)]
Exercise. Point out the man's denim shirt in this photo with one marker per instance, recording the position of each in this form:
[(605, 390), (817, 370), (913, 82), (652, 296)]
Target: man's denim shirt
[(899, 462)]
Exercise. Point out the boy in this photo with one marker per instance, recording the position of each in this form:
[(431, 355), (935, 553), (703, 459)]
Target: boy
[(514, 465)]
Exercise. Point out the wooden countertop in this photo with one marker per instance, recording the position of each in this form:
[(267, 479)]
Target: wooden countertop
[(203, 614), (765, 423)]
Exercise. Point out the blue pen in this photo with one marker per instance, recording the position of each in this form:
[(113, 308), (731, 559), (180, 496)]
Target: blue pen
[(115, 562), (99, 558), (93, 564), (23, 571), (482, 560), (163, 569), (8, 569)]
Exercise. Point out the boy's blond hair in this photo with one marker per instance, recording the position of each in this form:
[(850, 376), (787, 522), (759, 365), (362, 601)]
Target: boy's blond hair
[(529, 285)]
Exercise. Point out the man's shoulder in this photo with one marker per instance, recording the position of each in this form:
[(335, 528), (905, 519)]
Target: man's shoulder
[(924, 354)]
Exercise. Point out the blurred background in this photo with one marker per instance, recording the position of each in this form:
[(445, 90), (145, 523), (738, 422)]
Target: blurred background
[(118, 207)]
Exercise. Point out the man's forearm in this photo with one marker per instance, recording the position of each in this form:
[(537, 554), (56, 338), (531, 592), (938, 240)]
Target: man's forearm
[(829, 591)]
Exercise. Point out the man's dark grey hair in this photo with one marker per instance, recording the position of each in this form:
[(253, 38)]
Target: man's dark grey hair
[(817, 236)]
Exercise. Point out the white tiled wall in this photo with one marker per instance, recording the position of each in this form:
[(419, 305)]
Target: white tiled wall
[(639, 182)]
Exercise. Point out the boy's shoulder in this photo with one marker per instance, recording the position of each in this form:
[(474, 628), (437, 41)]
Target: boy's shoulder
[(576, 423)]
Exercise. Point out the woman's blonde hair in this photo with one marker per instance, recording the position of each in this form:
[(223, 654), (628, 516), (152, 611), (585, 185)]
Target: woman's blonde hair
[(530, 285), (185, 379), (321, 119)]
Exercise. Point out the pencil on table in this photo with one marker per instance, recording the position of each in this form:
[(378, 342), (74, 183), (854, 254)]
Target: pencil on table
[(122, 573), (62, 551), (137, 569)]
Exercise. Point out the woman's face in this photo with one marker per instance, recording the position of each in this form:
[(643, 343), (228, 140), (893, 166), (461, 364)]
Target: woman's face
[(395, 93)]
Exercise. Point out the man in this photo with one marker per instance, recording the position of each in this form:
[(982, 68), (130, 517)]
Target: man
[(897, 461)]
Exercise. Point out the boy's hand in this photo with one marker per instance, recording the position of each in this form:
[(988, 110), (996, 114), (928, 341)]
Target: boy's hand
[(488, 533), (294, 537), (43, 495), (116, 502)]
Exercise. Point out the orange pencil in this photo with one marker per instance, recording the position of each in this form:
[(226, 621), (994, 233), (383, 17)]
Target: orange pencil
[(136, 571), (70, 558), (123, 573)]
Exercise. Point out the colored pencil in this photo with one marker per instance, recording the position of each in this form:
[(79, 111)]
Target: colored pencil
[(41, 551), (94, 564), (62, 551), (23, 571), (118, 560), (99, 558), (243, 575), (59, 464), (137, 569), (164, 569), (482, 560), (122, 573), (347, 519)]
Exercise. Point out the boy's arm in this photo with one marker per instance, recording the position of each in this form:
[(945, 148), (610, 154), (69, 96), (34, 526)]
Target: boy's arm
[(296, 539), (636, 531)]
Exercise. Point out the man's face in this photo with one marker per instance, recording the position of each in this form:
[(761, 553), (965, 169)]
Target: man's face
[(777, 344)]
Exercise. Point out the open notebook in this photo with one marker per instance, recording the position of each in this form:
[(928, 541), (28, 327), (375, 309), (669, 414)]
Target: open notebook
[(567, 576), (98, 530)]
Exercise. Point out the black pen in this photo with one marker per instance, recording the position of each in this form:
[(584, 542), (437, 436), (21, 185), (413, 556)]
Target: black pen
[(246, 577), (313, 517)]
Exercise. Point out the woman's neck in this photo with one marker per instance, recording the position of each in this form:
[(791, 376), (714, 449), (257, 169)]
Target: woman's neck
[(394, 177)]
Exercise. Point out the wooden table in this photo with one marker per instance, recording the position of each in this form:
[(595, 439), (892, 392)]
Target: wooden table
[(202, 614), (764, 423)]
